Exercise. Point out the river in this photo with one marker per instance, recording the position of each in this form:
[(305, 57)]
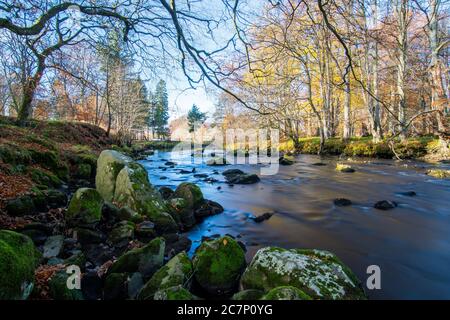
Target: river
[(410, 243)]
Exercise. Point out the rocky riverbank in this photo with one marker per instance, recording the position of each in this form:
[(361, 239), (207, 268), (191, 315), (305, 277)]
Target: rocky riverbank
[(126, 237)]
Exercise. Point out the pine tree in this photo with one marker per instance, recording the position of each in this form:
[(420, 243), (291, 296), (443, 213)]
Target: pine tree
[(195, 117), (160, 108)]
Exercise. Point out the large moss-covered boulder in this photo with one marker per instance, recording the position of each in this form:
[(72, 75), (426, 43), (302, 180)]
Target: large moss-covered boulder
[(218, 264), (181, 212), (145, 260), (18, 260), (178, 271), (20, 206), (250, 294), (174, 293), (85, 207), (109, 164), (121, 233), (319, 274), (135, 191), (191, 193), (59, 290), (286, 293)]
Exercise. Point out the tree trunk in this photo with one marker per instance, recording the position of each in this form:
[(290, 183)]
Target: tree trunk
[(29, 90), (402, 16), (439, 99)]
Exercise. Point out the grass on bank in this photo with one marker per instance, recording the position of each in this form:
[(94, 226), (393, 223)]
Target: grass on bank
[(412, 148)]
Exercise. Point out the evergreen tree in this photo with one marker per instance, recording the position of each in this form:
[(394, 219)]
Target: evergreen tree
[(160, 108), (195, 116)]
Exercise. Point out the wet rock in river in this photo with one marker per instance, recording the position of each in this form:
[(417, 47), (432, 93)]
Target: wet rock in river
[(344, 168), (286, 160), (385, 205), (263, 217), (439, 173), (166, 192), (319, 164), (191, 193), (236, 176), (200, 175), (342, 202), (408, 193), (208, 208)]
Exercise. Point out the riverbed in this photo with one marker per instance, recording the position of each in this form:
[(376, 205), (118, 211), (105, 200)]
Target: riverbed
[(410, 243)]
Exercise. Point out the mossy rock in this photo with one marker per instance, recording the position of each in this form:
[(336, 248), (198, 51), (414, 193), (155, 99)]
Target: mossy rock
[(109, 164), (88, 236), (319, 274), (85, 207), (178, 271), (439, 173), (191, 193), (286, 293), (286, 160), (50, 160), (116, 286), (77, 258), (250, 294), (344, 168), (84, 171), (20, 206), (135, 191), (146, 260), (44, 178), (181, 212), (218, 264), (59, 290), (121, 233), (18, 260), (174, 293), (52, 198)]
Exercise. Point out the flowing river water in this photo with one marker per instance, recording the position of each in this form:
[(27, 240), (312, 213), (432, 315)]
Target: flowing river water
[(410, 243)]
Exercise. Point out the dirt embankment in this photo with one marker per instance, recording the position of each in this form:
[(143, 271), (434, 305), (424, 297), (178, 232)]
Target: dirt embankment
[(44, 155)]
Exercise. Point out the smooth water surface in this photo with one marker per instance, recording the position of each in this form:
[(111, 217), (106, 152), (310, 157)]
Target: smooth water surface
[(411, 243)]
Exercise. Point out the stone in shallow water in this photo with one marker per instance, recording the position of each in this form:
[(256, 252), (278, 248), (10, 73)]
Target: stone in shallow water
[(385, 205), (263, 217), (408, 193), (342, 202), (319, 274)]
